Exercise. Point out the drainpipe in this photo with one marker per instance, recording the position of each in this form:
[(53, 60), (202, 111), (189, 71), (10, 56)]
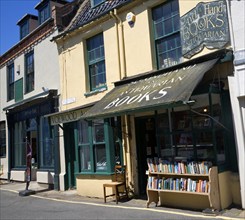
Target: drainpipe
[(118, 47), (122, 46)]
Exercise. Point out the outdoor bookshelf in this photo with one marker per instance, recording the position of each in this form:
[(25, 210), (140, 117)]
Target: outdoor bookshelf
[(197, 178)]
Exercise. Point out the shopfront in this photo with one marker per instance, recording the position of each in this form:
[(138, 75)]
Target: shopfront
[(180, 114), (28, 127)]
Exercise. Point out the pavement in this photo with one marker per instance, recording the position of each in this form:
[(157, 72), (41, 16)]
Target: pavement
[(71, 196)]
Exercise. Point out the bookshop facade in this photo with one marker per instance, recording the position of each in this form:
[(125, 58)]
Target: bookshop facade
[(184, 114)]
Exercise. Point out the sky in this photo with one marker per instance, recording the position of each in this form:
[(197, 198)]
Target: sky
[(11, 11)]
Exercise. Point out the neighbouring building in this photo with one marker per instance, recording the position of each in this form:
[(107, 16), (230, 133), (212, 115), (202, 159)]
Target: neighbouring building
[(237, 85), (30, 90)]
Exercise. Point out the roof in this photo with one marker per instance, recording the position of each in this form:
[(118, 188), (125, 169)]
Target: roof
[(86, 13)]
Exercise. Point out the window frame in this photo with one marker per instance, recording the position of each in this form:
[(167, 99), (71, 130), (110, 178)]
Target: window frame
[(29, 73), (10, 82), (96, 64), (44, 13), (108, 142), (24, 29), (173, 55)]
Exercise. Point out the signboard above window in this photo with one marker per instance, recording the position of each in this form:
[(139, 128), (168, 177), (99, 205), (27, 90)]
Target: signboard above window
[(205, 25)]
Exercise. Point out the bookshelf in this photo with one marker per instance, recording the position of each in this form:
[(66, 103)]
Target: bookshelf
[(181, 178)]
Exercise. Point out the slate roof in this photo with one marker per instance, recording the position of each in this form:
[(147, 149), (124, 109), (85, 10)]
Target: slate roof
[(86, 13)]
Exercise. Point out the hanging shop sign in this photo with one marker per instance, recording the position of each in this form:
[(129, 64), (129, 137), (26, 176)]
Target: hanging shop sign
[(205, 25), (65, 117)]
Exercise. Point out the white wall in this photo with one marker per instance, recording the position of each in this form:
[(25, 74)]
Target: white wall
[(237, 85)]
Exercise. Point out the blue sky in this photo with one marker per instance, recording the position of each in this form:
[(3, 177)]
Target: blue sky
[(11, 11)]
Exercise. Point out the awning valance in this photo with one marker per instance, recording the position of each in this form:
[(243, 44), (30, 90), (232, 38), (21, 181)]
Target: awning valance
[(163, 89)]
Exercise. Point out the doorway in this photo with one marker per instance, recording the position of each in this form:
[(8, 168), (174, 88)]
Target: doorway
[(146, 147), (70, 155)]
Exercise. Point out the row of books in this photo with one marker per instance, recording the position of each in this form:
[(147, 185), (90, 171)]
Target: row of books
[(182, 167), (178, 184)]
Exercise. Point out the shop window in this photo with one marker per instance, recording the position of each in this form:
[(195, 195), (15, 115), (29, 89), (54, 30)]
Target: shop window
[(10, 79), (194, 133), (2, 139), (46, 144), (84, 146), (166, 25), (19, 144), (98, 149), (29, 72), (96, 62), (24, 29), (44, 13)]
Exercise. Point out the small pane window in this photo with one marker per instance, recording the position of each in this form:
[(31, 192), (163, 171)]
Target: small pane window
[(10, 78), (44, 14), (29, 72), (166, 23), (24, 29), (96, 62)]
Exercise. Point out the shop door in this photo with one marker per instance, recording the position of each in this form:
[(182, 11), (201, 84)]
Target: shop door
[(146, 145), (70, 157)]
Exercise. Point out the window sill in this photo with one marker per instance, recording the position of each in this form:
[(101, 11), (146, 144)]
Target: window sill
[(101, 89), (95, 173)]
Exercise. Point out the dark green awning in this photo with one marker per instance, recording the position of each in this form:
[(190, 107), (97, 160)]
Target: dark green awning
[(163, 89)]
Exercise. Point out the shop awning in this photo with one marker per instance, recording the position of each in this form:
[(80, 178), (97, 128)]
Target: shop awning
[(158, 90)]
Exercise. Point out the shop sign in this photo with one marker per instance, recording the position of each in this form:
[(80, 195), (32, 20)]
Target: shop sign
[(205, 25), (66, 117)]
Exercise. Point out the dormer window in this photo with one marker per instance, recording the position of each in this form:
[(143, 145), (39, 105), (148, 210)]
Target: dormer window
[(96, 2), (27, 24), (24, 29), (44, 13)]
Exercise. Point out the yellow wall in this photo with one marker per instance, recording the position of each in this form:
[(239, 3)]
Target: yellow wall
[(92, 185), (229, 188), (139, 58)]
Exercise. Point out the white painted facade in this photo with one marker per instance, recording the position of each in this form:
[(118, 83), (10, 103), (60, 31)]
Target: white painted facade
[(237, 85), (46, 71)]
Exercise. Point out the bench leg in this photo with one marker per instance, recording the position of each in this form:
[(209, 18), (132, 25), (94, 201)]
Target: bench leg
[(104, 194)]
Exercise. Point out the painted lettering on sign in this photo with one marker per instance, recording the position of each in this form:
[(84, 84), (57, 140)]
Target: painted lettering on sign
[(66, 117), (148, 89), (205, 25)]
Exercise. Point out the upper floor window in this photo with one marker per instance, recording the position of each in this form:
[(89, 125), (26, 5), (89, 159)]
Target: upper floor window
[(166, 24), (96, 62), (2, 139), (29, 72), (44, 13), (10, 79), (96, 2), (24, 29)]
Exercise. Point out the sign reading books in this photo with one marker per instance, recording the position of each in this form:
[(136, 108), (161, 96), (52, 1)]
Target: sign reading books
[(205, 25)]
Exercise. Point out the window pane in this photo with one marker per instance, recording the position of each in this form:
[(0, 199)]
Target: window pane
[(2, 139), (98, 131), (46, 144), (83, 132), (85, 161), (100, 157), (20, 144)]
